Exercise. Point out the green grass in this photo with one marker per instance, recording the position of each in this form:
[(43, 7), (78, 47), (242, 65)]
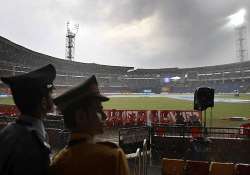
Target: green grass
[(160, 103), (220, 110), (242, 96), (7, 100)]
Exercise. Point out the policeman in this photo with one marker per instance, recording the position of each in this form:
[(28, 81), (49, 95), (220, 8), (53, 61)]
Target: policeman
[(23, 146), (84, 117)]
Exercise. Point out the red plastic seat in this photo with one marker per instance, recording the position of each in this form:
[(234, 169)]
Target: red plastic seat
[(197, 168), (172, 166), (243, 169), (218, 168)]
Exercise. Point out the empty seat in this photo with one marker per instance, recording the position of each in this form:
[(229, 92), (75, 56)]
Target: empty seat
[(197, 167), (172, 166), (242, 169), (218, 168)]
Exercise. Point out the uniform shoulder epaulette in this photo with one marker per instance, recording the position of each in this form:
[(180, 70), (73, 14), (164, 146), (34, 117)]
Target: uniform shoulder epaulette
[(109, 144)]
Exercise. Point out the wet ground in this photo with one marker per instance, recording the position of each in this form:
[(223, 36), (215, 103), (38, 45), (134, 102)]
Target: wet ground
[(188, 97)]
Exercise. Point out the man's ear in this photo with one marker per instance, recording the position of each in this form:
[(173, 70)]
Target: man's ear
[(44, 105)]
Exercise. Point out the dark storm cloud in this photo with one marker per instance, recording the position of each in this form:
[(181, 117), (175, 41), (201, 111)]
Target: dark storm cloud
[(113, 11), (194, 25), (197, 26), (140, 33)]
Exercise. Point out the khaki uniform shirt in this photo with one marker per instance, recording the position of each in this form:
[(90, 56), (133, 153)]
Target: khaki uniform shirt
[(83, 157)]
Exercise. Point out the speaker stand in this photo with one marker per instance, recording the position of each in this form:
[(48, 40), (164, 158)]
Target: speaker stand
[(205, 123), (211, 117)]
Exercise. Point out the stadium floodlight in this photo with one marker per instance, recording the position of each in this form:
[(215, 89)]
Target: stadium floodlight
[(239, 23), (166, 80), (237, 19), (72, 28), (175, 78), (70, 41)]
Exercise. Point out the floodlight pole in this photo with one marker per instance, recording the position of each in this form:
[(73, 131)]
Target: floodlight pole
[(70, 42), (241, 42)]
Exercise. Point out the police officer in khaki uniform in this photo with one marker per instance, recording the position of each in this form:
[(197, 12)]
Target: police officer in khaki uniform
[(23, 144), (84, 117)]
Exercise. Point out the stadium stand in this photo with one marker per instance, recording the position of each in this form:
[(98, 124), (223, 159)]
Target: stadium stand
[(16, 59)]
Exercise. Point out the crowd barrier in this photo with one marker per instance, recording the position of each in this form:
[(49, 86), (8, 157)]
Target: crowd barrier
[(199, 131), (128, 118), (58, 138), (10, 110)]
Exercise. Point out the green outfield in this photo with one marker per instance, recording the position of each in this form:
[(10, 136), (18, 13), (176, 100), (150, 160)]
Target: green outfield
[(221, 110), (7, 101), (242, 96)]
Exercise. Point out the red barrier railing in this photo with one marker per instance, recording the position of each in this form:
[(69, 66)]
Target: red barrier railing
[(245, 129), (10, 110), (124, 118)]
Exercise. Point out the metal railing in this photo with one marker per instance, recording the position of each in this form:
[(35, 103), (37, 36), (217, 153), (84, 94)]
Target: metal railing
[(144, 157), (137, 167), (7, 119), (141, 162), (196, 131), (48, 123)]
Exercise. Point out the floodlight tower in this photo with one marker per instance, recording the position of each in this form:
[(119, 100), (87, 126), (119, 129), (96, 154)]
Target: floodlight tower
[(70, 41), (239, 23)]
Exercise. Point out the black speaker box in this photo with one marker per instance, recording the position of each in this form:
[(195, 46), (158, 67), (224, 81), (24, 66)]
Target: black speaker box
[(203, 98)]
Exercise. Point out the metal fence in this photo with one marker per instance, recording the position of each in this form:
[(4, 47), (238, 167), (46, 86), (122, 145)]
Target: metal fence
[(196, 131), (140, 161)]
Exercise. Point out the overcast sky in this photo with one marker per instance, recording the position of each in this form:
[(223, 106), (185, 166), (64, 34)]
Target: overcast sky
[(139, 33)]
